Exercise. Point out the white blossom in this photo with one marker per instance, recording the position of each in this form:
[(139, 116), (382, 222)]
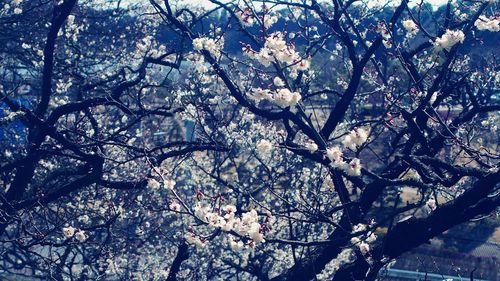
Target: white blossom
[(259, 94), (410, 27), (485, 23), (431, 204), (264, 147), (209, 44), (230, 210), (153, 184), (311, 146), (245, 17), (198, 44), (81, 236), (433, 97), (191, 238), (355, 138), (235, 245), (270, 20), (285, 97), (201, 211), (354, 167), (278, 82), (276, 47), (364, 248), (69, 231), (449, 39), (169, 184), (84, 219), (335, 155), (71, 19), (359, 227), (175, 206)]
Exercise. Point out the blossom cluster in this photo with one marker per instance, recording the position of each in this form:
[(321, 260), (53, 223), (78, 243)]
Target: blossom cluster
[(351, 141), (410, 27), (15, 6), (79, 234), (276, 48), (282, 97), (246, 227), (208, 44), (363, 242), (383, 30), (194, 239), (355, 138), (485, 23), (10, 116), (264, 147), (449, 39), (72, 30), (269, 20), (167, 183)]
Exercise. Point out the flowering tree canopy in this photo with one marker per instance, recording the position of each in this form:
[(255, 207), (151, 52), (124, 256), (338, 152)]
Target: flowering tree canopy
[(241, 140)]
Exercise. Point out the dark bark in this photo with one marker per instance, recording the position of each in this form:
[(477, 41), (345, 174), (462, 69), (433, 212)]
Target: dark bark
[(182, 255)]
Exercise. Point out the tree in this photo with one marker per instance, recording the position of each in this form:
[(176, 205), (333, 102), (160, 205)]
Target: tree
[(280, 138)]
